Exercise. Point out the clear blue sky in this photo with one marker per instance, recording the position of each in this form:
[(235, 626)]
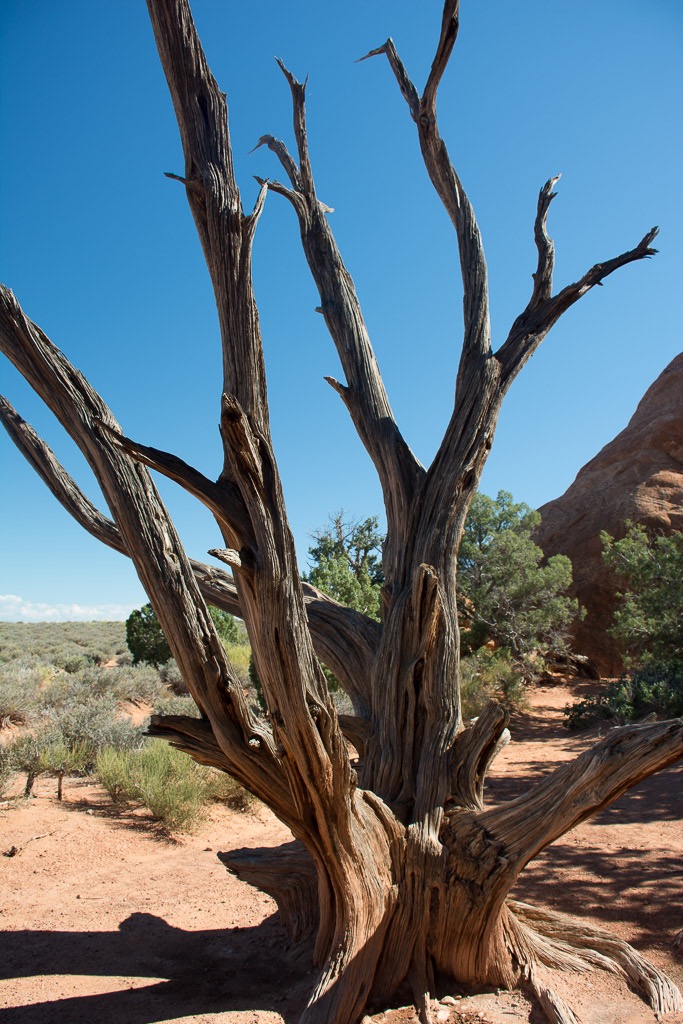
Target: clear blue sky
[(100, 248)]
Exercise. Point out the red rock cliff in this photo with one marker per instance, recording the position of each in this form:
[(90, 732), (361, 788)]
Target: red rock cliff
[(637, 476)]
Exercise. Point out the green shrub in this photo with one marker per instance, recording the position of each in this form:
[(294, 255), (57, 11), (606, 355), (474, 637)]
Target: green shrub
[(58, 642), (60, 757), (114, 772), (171, 785), (49, 750), (145, 637), (15, 705), (21, 685), (175, 704), (167, 782), (146, 640), (648, 624), (94, 724), (226, 626), (31, 753), (486, 675), (239, 655), (507, 591), (226, 790), (170, 674), (137, 683), (653, 690), (23, 754), (6, 769)]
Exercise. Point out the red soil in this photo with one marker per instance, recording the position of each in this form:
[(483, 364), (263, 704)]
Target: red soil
[(106, 920)]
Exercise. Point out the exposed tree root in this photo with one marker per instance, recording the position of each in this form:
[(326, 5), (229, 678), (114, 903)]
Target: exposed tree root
[(288, 875), (545, 937), (554, 1008)]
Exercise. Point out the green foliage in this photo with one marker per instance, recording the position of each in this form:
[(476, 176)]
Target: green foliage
[(113, 772), (506, 592), (170, 784), (60, 756), (145, 637), (173, 677), (18, 685), (346, 562), (46, 751), (175, 704), (146, 640), (239, 655), (648, 625), (652, 690), (74, 718), (487, 519), (139, 683), (24, 751), (485, 675), (226, 625), (93, 724)]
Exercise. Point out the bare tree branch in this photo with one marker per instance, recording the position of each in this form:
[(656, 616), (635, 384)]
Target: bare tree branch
[(214, 199), (311, 747), (345, 640), (222, 498), (152, 543), (58, 481), (543, 278), (453, 476), (473, 752), (477, 338), (581, 788), (284, 156), (364, 394), (544, 310)]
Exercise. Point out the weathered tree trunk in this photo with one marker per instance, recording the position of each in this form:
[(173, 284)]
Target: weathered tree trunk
[(397, 870)]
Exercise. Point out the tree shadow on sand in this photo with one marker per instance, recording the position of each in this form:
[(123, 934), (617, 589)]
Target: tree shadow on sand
[(638, 885), (203, 972)]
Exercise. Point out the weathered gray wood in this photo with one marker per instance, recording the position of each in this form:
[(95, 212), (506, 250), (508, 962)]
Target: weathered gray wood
[(344, 639)]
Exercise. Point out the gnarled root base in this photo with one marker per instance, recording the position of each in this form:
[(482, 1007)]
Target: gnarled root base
[(287, 874), (527, 941), (538, 937)]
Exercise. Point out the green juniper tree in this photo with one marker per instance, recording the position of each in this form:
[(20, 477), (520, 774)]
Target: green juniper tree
[(648, 624), (346, 562), (145, 637), (508, 594), (147, 642)]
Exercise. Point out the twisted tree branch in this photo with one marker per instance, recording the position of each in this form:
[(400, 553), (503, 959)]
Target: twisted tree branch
[(544, 310), (581, 788), (345, 640), (223, 499), (365, 395), (152, 542)]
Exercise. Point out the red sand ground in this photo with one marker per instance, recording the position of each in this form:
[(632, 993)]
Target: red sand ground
[(106, 920)]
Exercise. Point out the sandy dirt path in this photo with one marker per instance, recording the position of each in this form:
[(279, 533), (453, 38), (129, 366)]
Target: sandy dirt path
[(106, 920)]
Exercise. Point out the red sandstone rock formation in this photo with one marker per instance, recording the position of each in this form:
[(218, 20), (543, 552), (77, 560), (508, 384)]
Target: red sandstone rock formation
[(637, 476)]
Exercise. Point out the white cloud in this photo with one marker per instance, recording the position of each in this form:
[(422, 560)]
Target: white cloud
[(17, 609)]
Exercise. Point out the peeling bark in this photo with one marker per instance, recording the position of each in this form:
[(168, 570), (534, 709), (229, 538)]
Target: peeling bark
[(396, 870)]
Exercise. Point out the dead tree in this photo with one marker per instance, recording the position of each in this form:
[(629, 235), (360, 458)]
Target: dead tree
[(398, 870)]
